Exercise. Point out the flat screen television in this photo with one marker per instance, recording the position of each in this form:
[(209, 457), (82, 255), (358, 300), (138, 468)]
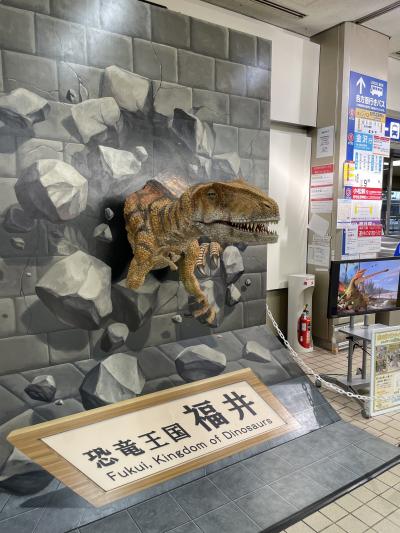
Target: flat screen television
[(362, 286)]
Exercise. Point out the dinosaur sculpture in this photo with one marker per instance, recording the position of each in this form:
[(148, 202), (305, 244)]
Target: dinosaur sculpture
[(164, 229)]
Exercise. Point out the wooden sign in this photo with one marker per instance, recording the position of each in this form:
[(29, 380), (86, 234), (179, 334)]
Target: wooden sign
[(111, 452)]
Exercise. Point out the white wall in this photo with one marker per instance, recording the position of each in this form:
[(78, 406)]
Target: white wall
[(393, 97), (295, 60), (289, 172)]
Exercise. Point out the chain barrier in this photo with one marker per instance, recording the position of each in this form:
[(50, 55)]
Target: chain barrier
[(309, 370)]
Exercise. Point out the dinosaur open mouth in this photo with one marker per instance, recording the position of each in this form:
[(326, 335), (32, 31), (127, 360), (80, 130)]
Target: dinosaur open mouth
[(250, 227)]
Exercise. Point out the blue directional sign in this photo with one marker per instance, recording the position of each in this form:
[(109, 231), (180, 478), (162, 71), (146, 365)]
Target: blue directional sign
[(366, 94), (392, 128), (397, 251), (363, 141)]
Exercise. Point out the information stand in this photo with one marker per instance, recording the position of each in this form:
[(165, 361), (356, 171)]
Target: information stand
[(385, 371)]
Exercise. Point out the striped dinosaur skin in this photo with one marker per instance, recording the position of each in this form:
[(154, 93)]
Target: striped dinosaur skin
[(164, 230)]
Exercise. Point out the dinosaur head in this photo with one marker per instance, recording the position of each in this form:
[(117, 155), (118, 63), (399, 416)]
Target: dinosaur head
[(234, 211)]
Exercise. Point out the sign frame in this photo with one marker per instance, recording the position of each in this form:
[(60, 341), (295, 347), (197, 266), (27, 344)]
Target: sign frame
[(29, 439), (372, 410)]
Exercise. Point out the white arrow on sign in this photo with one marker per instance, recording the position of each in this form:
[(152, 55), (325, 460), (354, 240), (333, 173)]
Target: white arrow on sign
[(360, 84)]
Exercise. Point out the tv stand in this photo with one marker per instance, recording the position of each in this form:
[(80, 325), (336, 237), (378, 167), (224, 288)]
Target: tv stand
[(352, 382)]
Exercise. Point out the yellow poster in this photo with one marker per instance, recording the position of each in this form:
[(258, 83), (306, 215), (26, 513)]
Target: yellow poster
[(386, 370)]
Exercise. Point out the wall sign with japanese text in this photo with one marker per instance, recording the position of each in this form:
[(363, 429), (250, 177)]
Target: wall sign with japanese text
[(111, 452)]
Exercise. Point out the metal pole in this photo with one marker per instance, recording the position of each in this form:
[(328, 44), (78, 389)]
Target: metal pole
[(364, 358), (389, 196), (350, 354)]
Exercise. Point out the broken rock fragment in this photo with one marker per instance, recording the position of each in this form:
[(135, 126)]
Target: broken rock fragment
[(253, 351), (77, 290), (131, 91), (96, 119), (53, 190), (18, 243), (134, 307), (119, 164), (114, 336), (197, 135), (17, 221), (200, 362), (42, 388), (22, 476), (102, 232), (22, 108), (233, 295), (116, 378), (232, 264)]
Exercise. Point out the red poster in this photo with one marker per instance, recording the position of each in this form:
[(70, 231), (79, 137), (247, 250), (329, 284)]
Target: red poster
[(366, 193), (322, 169), (369, 230)]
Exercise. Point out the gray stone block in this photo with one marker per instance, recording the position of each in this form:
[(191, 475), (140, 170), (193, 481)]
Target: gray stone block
[(265, 115), (11, 405), (7, 156), (37, 74), (43, 388), (25, 351), (69, 406), (258, 83), (255, 258), (155, 61), (196, 70), (168, 96), (230, 77), (35, 243), (59, 125), (82, 11), (60, 39), (16, 220), (242, 47), (68, 346), (126, 16), (260, 174), (254, 313), (31, 150), (264, 49), (34, 317), (84, 81), (7, 194), (67, 376), (105, 49), (253, 143), (17, 30), (14, 277), (40, 6), (209, 39), (211, 106), (159, 330), (167, 298), (254, 291), (226, 139), (154, 363), (168, 27), (233, 319), (95, 340), (244, 112), (7, 317)]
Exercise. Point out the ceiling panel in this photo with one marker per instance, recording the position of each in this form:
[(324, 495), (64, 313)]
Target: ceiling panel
[(319, 14), (389, 24)]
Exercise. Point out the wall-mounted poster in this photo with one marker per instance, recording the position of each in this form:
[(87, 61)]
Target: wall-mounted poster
[(385, 371)]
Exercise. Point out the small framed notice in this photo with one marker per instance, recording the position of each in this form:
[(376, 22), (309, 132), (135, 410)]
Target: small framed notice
[(385, 370), (111, 452)]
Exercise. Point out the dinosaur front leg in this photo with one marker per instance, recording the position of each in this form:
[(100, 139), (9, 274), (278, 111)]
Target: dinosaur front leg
[(142, 262), (192, 286)]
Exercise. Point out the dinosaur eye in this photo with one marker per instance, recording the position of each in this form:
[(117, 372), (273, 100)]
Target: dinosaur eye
[(211, 194)]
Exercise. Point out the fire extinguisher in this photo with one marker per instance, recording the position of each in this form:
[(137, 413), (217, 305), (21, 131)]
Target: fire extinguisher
[(304, 328)]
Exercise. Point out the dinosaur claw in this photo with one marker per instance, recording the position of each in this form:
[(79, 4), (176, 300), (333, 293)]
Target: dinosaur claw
[(201, 270), (214, 261)]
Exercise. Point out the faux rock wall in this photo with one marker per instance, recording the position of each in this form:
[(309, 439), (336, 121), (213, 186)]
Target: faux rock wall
[(100, 142)]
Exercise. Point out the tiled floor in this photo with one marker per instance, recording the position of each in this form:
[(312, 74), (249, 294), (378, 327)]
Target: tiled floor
[(375, 506)]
